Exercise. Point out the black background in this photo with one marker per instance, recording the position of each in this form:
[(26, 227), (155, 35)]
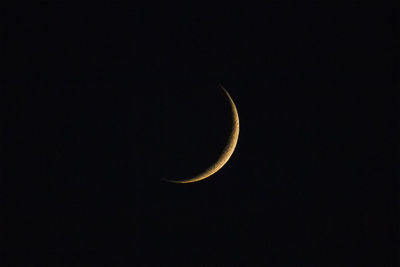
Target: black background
[(102, 102)]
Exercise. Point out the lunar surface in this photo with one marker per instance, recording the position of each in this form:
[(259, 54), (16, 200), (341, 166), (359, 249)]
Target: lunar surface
[(226, 152)]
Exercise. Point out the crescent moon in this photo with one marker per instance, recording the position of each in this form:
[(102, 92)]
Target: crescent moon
[(226, 152)]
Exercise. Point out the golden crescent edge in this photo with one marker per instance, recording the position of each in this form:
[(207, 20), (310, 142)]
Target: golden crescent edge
[(226, 152)]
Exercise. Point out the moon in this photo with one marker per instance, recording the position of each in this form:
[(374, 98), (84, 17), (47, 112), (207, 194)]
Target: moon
[(226, 152)]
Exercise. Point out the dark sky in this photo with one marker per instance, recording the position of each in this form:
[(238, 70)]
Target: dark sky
[(102, 102)]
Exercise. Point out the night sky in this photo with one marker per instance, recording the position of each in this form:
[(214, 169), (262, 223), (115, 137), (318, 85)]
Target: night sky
[(103, 102)]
